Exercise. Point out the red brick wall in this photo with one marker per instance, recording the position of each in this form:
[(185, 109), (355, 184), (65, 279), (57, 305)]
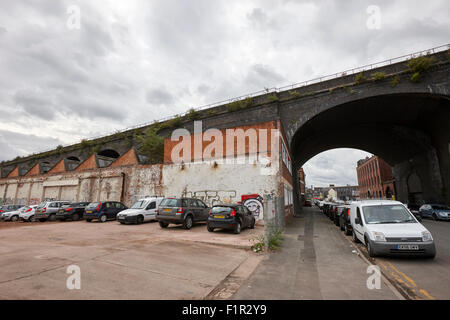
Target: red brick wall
[(169, 144)]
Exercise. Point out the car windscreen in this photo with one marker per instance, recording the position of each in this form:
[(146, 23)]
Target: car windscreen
[(170, 203), (384, 214), (42, 204), (139, 204), (220, 209), (93, 205)]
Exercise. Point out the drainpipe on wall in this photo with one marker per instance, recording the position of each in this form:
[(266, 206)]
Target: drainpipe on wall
[(122, 192)]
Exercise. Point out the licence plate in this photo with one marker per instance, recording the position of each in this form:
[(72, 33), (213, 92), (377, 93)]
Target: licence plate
[(407, 247), (89, 211), (167, 210), (219, 217)]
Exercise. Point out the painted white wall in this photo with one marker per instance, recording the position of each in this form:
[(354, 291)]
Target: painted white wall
[(224, 183)]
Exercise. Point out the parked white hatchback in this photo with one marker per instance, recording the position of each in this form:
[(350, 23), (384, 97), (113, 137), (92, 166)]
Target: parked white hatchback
[(142, 211), (387, 227), (27, 213), (11, 215)]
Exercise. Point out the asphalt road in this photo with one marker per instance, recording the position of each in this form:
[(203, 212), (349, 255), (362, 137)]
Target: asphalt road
[(428, 279)]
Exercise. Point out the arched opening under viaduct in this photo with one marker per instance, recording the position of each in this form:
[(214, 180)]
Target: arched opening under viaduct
[(411, 132), (106, 157)]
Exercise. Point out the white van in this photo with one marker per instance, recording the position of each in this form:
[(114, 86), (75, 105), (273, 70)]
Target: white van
[(388, 227), (141, 211)]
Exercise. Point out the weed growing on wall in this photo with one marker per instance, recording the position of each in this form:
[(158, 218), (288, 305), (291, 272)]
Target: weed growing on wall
[(151, 145), (418, 65)]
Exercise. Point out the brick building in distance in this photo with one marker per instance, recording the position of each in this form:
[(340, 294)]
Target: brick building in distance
[(375, 179)]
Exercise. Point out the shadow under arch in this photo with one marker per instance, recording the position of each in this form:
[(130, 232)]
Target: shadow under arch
[(399, 128)]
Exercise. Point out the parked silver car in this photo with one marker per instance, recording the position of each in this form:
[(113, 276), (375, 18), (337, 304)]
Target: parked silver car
[(48, 209)]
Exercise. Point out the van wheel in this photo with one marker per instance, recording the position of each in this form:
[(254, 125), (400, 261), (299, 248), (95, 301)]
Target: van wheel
[(369, 248), (103, 218), (88, 220), (31, 219), (52, 217), (210, 229), (139, 219), (237, 228), (14, 218), (188, 222), (252, 225), (163, 224), (354, 238)]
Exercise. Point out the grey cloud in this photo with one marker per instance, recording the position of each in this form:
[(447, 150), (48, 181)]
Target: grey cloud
[(159, 96), (13, 144), (261, 76), (35, 104)]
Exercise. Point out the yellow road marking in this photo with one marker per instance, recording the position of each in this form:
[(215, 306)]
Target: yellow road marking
[(426, 294), (403, 275), (411, 281)]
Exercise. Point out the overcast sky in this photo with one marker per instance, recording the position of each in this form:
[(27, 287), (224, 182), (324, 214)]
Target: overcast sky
[(132, 62)]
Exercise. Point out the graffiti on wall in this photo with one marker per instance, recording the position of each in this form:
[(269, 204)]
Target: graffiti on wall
[(254, 203), (212, 197)]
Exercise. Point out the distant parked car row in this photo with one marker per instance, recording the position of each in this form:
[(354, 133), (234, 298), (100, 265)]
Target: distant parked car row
[(385, 227), (180, 211)]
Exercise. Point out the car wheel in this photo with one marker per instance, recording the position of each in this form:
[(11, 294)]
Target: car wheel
[(163, 224), (14, 218), (252, 225), (52, 217), (139, 219), (435, 217), (32, 219), (103, 218), (75, 217), (237, 228), (210, 229), (188, 222), (346, 231), (121, 222), (354, 238), (370, 248), (88, 220)]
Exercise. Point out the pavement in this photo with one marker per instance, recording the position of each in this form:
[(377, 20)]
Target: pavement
[(120, 261), (315, 262)]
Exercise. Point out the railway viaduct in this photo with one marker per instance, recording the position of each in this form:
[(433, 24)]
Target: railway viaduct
[(399, 111)]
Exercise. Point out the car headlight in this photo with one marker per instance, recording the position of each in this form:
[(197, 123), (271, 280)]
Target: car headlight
[(426, 236), (379, 236)]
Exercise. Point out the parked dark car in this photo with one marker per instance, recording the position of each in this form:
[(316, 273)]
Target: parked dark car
[(326, 208), (332, 211), (414, 208), (185, 211), (435, 211), (72, 211), (230, 216), (103, 211), (344, 221), (308, 203), (337, 213)]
